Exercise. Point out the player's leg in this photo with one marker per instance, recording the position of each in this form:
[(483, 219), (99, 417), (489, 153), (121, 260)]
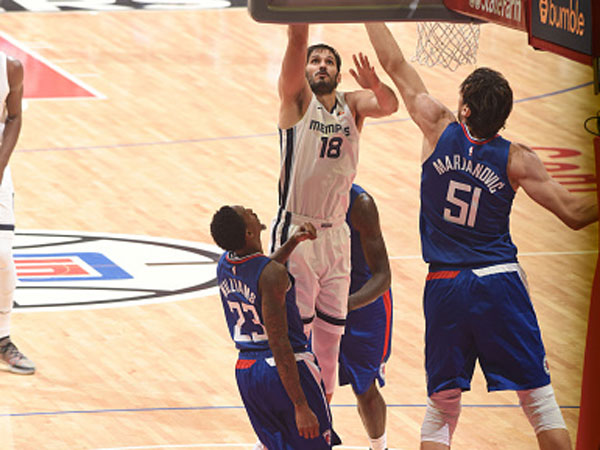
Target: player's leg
[(326, 347), (7, 281), (372, 411), (271, 412), (512, 353), (364, 350), (542, 411), (450, 355), (306, 281), (332, 257), (9, 353), (441, 418), (557, 439)]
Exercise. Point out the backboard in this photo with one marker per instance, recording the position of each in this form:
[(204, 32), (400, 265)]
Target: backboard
[(331, 11)]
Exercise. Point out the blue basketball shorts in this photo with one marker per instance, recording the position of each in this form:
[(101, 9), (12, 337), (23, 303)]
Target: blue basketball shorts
[(366, 344), (484, 315), (271, 411)]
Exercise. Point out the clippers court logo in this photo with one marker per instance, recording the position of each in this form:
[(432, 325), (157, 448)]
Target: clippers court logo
[(77, 270)]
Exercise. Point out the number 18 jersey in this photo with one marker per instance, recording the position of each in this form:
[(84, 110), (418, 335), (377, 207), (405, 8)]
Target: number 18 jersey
[(319, 157), (466, 199)]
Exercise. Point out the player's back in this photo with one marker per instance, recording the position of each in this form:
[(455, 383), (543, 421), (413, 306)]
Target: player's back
[(466, 199), (238, 285), (360, 273)]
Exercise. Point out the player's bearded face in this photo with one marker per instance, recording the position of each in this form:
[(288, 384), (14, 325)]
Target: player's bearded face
[(322, 82)]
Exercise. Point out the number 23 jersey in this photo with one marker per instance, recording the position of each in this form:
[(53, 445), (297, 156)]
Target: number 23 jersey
[(466, 198), (242, 303), (319, 157)]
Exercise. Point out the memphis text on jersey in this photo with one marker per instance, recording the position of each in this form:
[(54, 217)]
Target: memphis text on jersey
[(332, 128), (482, 172)]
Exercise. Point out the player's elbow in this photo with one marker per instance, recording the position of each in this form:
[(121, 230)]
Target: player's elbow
[(393, 106), (578, 224), (386, 278), (579, 221)]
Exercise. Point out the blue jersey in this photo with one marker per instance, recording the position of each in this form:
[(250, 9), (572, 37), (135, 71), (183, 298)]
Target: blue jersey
[(360, 273), (466, 199), (242, 303)]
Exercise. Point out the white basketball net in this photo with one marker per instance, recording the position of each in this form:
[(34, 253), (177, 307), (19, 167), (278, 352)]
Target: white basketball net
[(447, 44)]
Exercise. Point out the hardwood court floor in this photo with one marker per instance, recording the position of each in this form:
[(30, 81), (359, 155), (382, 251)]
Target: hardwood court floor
[(188, 123)]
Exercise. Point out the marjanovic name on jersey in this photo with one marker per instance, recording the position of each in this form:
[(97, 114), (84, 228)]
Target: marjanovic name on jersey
[(482, 172), (232, 285)]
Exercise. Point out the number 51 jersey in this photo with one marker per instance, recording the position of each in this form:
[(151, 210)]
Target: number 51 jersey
[(242, 303), (466, 199)]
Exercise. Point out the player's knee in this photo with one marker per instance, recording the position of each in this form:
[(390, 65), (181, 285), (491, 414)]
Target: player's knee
[(370, 395), (540, 407), (441, 416)]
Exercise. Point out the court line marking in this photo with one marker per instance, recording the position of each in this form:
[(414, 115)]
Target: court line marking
[(207, 408), (249, 446), (564, 253), (252, 136), (25, 48)]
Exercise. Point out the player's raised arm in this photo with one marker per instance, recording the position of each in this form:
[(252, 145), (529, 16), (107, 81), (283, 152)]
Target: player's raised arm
[(376, 99), (365, 219), (525, 169), (430, 115), (273, 284), (294, 91), (306, 231)]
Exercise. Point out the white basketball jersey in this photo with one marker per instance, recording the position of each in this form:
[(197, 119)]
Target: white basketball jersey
[(319, 156), (4, 90)]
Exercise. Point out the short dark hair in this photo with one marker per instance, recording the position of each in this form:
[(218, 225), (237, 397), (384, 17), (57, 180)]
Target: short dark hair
[(489, 97), (228, 229), (336, 55)]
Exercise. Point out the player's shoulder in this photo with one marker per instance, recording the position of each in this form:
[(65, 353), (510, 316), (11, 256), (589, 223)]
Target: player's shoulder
[(519, 152), (364, 211), (520, 159), (273, 271)]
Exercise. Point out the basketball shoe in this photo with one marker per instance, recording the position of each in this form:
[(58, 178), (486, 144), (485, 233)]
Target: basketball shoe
[(16, 361)]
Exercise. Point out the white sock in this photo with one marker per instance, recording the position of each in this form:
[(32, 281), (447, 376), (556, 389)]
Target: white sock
[(380, 443)]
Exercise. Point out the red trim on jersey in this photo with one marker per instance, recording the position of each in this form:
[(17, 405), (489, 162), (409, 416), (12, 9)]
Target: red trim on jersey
[(244, 363), (443, 274), (242, 260), (387, 302), (473, 141)]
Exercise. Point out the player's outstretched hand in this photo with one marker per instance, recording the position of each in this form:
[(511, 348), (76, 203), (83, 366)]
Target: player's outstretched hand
[(364, 74), (306, 231), (307, 422)]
